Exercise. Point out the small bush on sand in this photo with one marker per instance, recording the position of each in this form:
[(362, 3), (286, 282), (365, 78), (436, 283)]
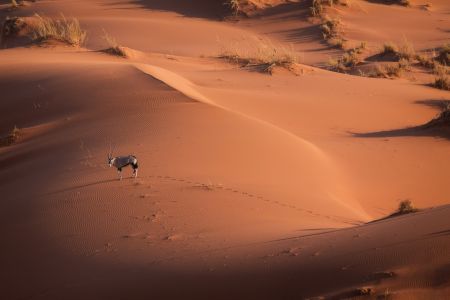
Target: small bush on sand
[(112, 46), (444, 55), (425, 60), (330, 27), (406, 207), (344, 63), (235, 6), (64, 30), (11, 26), (389, 48), (442, 119), (316, 8), (388, 70), (441, 80), (405, 50), (11, 138), (260, 54)]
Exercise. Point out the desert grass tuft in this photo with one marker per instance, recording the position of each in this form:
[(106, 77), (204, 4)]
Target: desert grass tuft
[(330, 27), (387, 71), (444, 54), (441, 81), (260, 54), (405, 50), (406, 207), (344, 63), (11, 138), (65, 30), (389, 48), (14, 4), (112, 46), (318, 6), (235, 6)]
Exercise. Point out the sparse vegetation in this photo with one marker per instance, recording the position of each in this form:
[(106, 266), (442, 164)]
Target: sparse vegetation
[(404, 51), (406, 207), (344, 63), (11, 26), (261, 54), (348, 60), (387, 71), (14, 4), (442, 119), (235, 6), (425, 60), (441, 80), (318, 6), (11, 137), (113, 47), (330, 27), (331, 31), (389, 48), (444, 55), (64, 30)]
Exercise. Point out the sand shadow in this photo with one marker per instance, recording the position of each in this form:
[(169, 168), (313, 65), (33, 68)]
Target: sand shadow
[(438, 127), (208, 9), (76, 187)]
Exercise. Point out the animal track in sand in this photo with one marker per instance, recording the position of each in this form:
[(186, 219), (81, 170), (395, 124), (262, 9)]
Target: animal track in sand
[(211, 187)]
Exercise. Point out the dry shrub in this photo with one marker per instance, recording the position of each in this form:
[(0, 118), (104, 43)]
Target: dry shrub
[(318, 6), (389, 48), (112, 46), (405, 50), (442, 119), (11, 26), (441, 80), (260, 53), (386, 71), (330, 27), (64, 30), (444, 55), (425, 60), (235, 6), (406, 207), (344, 63), (11, 138)]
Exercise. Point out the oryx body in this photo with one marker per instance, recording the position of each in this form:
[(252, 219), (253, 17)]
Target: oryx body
[(121, 162)]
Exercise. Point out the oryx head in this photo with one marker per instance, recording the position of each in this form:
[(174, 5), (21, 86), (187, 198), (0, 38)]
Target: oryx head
[(110, 155)]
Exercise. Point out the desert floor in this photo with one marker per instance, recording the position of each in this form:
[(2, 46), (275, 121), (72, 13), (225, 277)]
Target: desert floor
[(251, 185)]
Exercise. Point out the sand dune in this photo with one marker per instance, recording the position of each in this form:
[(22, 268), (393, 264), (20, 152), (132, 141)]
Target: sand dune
[(251, 186)]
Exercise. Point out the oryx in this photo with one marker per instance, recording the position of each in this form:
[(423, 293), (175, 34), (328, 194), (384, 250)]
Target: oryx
[(122, 161)]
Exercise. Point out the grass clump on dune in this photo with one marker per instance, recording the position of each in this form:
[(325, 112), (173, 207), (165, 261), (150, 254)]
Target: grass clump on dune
[(344, 63), (441, 80), (260, 54), (113, 47), (406, 207), (331, 32), (442, 119), (65, 30), (11, 138), (318, 6), (235, 6), (404, 51)]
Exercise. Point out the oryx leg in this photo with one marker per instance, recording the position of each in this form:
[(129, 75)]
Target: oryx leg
[(120, 173)]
